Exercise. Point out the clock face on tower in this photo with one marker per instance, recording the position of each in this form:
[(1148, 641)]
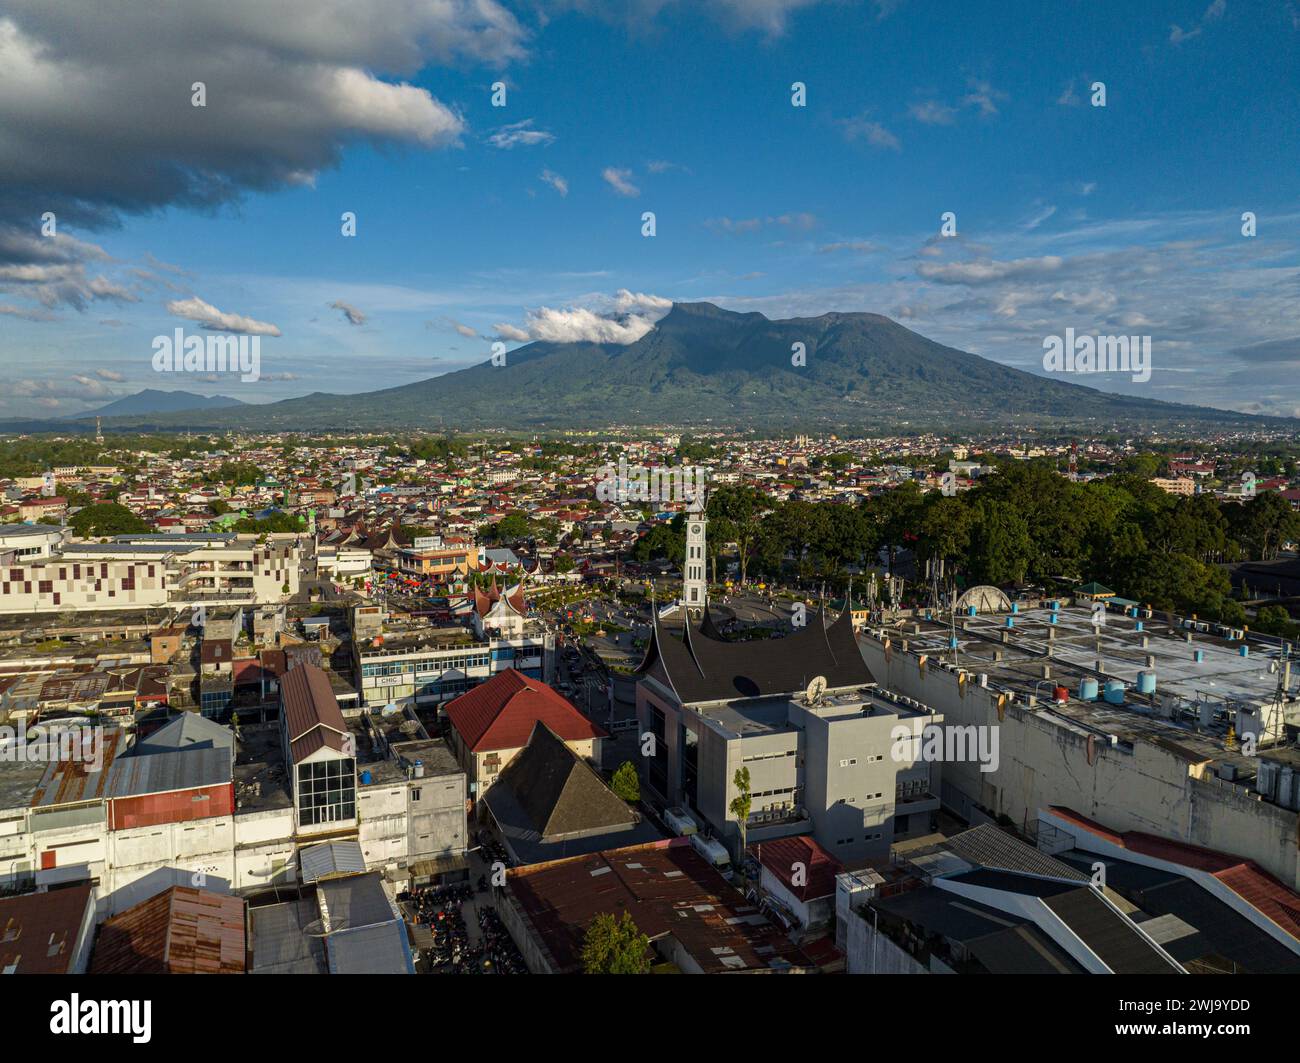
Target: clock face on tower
[(695, 529)]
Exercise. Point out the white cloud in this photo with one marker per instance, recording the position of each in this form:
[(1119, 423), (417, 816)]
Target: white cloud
[(555, 181), (209, 317), (519, 134), (932, 112), (621, 319), (620, 181), (350, 312), (875, 134)]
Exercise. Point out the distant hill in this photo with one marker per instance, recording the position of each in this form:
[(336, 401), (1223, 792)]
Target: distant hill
[(702, 365), (151, 400)]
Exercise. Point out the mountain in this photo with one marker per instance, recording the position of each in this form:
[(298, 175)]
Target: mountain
[(153, 401), (702, 365)]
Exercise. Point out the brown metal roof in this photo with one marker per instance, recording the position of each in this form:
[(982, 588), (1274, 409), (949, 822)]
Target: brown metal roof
[(669, 889), (311, 712), (179, 931), (38, 932)]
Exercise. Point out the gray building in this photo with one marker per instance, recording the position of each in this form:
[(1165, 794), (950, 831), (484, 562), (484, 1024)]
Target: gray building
[(820, 739)]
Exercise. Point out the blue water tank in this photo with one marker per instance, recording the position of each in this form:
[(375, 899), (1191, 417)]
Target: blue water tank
[(952, 642), (1198, 656), (1052, 619), (1114, 692), (1015, 607), (365, 778), (1087, 689), (1011, 621), (1137, 626), (1244, 651), (1146, 682), (970, 610)]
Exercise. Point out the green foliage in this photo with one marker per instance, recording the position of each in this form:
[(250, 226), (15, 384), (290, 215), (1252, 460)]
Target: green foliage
[(625, 782), (107, 518), (742, 803), (615, 946)]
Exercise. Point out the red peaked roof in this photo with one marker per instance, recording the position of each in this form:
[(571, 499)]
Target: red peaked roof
[(819, 866), (1244, 877), (501, 713)]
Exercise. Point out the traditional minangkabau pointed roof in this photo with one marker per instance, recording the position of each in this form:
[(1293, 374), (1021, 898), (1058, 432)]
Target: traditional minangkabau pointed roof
[(703, 666)]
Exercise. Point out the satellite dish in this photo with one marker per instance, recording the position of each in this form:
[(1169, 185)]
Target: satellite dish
[(816, 689)]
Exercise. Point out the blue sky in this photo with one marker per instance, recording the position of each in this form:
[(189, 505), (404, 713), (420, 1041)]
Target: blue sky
[(477, 222)]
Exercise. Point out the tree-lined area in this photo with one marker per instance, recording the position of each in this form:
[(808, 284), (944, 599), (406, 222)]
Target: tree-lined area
[(1025, 525)]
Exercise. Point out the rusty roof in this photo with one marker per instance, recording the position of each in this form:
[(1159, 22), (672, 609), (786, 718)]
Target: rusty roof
[(68, 782), (669, 889), (179, 931)]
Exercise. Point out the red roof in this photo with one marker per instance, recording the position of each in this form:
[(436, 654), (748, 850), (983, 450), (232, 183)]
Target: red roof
[(501, 713), (1244, 877), (819, 867)]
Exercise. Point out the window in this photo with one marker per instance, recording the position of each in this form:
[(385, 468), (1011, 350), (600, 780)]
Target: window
[(327, 791)]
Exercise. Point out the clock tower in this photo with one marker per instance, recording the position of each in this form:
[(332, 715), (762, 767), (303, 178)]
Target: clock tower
[(695, 581)]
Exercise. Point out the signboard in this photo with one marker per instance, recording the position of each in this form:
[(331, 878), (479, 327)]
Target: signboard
[(427, 542)]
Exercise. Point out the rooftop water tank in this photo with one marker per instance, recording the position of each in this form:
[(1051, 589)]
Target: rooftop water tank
[(1244, 651), (1137, 626), (1052, 619), (1087, 689), (365, 778), (1011, 621), (1061, 694), (970, 610), (1146, 682), (1198, 656), (1114, 692)]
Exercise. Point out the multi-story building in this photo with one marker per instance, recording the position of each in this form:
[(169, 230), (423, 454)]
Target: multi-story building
[(169, 571), (820, 740)]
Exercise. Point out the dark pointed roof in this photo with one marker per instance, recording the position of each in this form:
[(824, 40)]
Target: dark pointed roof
[(705, 667), (559, 792)]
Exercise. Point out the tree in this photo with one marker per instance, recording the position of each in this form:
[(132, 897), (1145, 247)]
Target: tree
[(625, 782), (107, 518), (614, 946), (741, 803)]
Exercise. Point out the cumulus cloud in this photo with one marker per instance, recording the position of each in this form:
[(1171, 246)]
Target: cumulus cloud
[(110, 374), (209, 317), (620, 181), (96, 113), (555, 181), (932, 112), (623, 318), (350, 312), (875, 134), (519, 134)]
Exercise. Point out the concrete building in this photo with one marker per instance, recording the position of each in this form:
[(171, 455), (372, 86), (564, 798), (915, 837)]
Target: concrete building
[(1164, 725), (803, 715), (492, 723), (151, 571)]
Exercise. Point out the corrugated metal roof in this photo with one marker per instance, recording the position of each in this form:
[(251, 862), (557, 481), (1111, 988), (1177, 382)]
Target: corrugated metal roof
[(371, 950), (331, 858), (67, 782), (179, 931), (158, 773)]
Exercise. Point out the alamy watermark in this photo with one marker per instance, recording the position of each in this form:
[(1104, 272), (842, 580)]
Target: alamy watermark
[(639, 483), (946, 744), (214, 353), (1098, 354), (43, 745)]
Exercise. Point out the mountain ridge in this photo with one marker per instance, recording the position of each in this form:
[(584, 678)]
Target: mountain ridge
[(704, 365)]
